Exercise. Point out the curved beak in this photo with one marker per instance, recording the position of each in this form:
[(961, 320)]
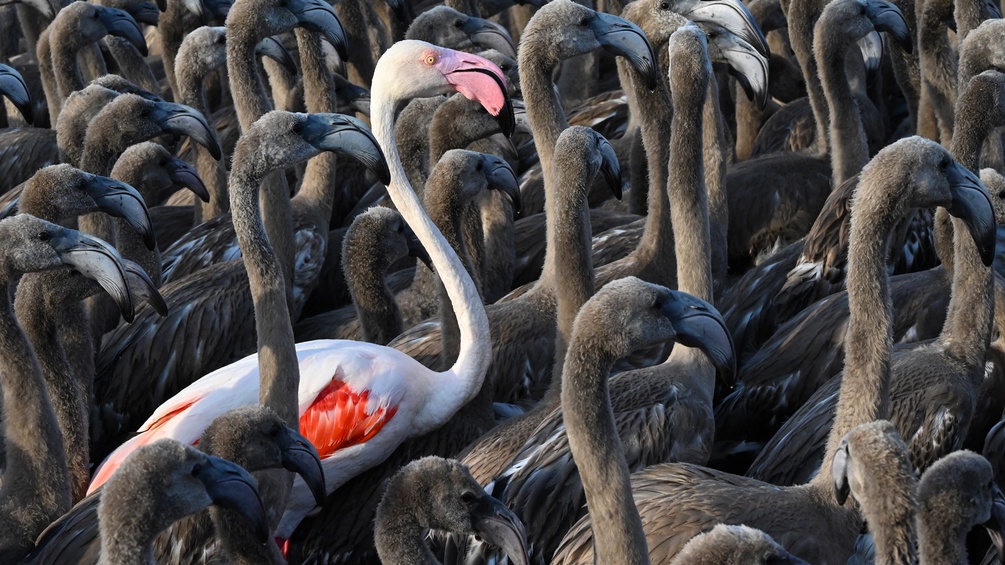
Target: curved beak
[(185, 120), (496, 524), (9, 210), (184, 175), (972, 204), (994, 11), (320, 17), (839, 471), (144, 12), (44, 7), (746, 64), (143, 288), (357, 97), (272, 48), (97, 261), (871, 47), (118, 199), (611, 168), (216, 8), (698, 324), (996, 525), (416, 249), (231, 487), (732, 15), (887, 17), (120, 23), (489, 35), (480, 80), (300, 456), (502, 177), (627, 40), (347, 136), (12, 86)]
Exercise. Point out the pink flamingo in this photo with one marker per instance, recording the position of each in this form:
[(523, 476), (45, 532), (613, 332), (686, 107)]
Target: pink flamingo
[(357, 401)]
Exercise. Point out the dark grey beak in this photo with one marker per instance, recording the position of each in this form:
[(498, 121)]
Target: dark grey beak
[(185, 120), (144, 12), (231, 487), (183, 174), (698, 324), (610, 167), (301, 457), (887, 17), (501, 177), (839, 470), (732, 15), (143, 288), (627, 40), (996, 525), (12, 86), (319, 17), (118, 199), (972, 204), (97, 261), (348, 136), (272, 48), (416, 249), (993, 10), (871, 47), (356, 97), (9, 210), (489, 35), (496, 524), (746, 64), (120, 23)]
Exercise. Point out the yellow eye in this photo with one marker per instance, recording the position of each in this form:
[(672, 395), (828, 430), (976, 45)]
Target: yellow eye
[(430, 59)]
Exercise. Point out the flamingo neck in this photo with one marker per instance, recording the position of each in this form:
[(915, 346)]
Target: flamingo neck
[(849, 152), (190, 90), (475, 343)]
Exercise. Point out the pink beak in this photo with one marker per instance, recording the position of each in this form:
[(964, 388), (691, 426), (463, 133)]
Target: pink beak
[(480, 80)]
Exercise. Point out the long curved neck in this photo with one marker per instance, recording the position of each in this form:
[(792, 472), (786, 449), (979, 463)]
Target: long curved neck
[(47, 73), (39, 318), (569, 234), (131, 64), (849, 152), (655, 112), (65, 45), (412, 131), (399, 538), (892, 516), (593, 438), (967, 330), (454, 127), (547, 120), (717, 154), (802, 17), (190, 90), (865, 387), (379, 317), (476, 344), (36, 473), (941, 541), (938, 64)]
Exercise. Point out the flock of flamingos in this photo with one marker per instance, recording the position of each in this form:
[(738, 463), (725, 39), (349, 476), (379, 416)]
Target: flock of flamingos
[(443, 239)]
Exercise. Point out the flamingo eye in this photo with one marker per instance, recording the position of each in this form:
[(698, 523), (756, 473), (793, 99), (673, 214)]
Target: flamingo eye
[(430, 59)]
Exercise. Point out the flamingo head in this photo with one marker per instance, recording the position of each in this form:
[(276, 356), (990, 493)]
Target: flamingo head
[(416, 69)]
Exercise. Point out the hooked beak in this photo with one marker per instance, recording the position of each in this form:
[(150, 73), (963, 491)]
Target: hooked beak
[(120, 200), (496, 524), (416, 249), (627, 40), (185, 120), (143, 288), (996, 525), (746, 64), (347, 136), (611, 168), (502, 177), (120, 23), (184, 175), (300, 456), (887, 17), (489, 35), (357, 97), (272, 48), (839, 471), (97, 261), (12, 86), (231, 487), (732, 15), (480, 80), (871, 47), (698, 324), (320, 17), (972, 204), (10, 209), (144, 12)]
